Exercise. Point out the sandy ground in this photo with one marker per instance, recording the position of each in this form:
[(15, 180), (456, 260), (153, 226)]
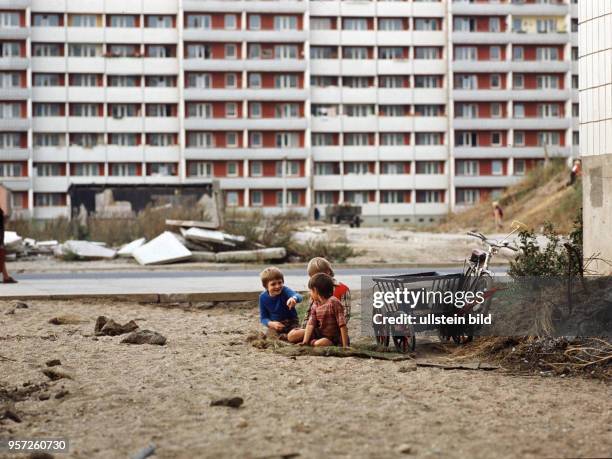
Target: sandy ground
[(123, 397)]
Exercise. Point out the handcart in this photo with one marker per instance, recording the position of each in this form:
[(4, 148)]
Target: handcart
[(404, 335)]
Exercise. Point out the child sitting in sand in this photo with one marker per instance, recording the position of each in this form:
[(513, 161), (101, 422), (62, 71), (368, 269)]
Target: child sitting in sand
[(277, 304), (327, 324), (341, 291)]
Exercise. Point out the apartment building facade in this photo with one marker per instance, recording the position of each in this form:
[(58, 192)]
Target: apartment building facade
[(410, 109)]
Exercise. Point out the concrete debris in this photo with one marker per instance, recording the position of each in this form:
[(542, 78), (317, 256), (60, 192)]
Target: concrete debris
[(206, 257), (53, 362), (145, 452), (108, 327), (86, 250), (144, 337), (192, 224), (128, 249), (165, 248), (55, 374), (273, 253), (215, 237), (12, 240)]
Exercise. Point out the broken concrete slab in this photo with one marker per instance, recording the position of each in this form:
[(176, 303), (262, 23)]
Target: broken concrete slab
[(145, 337), (11, 238), (210, 236), (128, 249), (165, 248), (272, 253), (88, 250), (202, 256), (192, 224)]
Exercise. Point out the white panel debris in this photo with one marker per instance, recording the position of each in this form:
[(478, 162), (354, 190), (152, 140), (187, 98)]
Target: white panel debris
[(88, 250), (128, 249), (165, 248)]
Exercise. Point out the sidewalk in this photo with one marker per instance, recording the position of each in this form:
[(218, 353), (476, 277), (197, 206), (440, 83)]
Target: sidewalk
[(154, 289)]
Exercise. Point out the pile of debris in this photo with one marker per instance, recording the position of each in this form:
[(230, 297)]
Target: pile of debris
[(197, 241), (16, 246)]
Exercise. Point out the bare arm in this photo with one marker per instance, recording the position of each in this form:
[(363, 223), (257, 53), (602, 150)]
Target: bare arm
[(344, 336), (308, 334)]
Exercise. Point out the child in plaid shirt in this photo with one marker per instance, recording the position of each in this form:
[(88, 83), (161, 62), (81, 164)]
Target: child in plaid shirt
[(341, 291), (326, 324)]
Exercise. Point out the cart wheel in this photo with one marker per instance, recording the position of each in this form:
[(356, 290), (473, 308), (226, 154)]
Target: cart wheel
[(404, 344), (382, 335)]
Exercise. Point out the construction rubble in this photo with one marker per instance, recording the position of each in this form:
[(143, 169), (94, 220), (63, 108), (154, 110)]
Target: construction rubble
[(188, 241)]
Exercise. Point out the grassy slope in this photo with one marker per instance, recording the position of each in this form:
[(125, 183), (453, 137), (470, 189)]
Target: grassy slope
[(543, 195)]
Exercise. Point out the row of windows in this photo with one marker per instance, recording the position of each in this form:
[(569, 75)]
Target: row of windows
[(363, 110), (383, 24), (368, 52)]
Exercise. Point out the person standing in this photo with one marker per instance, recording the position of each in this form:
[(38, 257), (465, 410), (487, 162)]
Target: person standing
[(498, 213), (6, 279)]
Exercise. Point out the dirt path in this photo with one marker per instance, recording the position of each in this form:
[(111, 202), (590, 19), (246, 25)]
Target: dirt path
[(123, 397)]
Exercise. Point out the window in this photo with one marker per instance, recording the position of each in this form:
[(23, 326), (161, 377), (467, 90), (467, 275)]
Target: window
[(356, 139), (354, 24), (519, 110), (285, 52), (393, 197), (199, 50), (392, 168), (124, 50), (356, 168), (546, 25), (40, 50), (463, 24), (160, 51), (256, 198), (324, 197), (84, 80), (85, 170), (254, 22), (123, 81), (496, 110), (390, 52), (42, 109), (548, 138), (10, 140), (496, 139), (357, 197), (518, 53), (231, 139), (48, 140), (199, 80), (392, 82), (255, 109), (393, 138), (575, 110), (575, 81), (231, 198), (12, 49), (519, 138), (285, 23), (497, 167), (45, 20), (466, 53), (229, 21), (200, 169), (427, 52), (428, 81), (494, 24), (231, 169), (467, 167), (467, 196), (160, 110), (391, 24), (83, 20), (326, 168), (230, 80), (287, 111), (287, 140), (323, 139), (547, 54), (9, 19), (123, 139), (124, 169), (160, 22), (230, 51), (124, 110), (48, 170), (519, 167), (85, 140), (256, 139), (10, 170), (256, 168), (161, 140), (48, 199), (292, 168), (84, 110), (548, 111), (199, 21), (428, 138), (254, 51), (321, 23), (355, 110), (355, 52), (116, 20), (429, 196), (547, 82), (467, 111), (495, 81), (466, 82), (231, 110), (356, 82), (10, 80), (466, 139), (286, 81), (254, 80), (324, 52), (393, 110), (84, 50), (518, 81), (495, 53), (200, 140), (429, 167), (45, 79), (426, 24)]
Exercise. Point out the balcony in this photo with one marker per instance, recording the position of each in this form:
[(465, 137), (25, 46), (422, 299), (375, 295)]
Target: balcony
[(17, 183), (14, 33), (15, 154), (275, 65), (80, 94), (250, 6), (170, 154), (85, 35), (481, 66), (14, 94), (49, 213), (48, 34), (409, 38), (249, 94), (85, 64), (541, 123), (14, 124), (50, 184), (478, 38), (241, 153), (484, 95), (166, 36), (161, 124), (127, 124), (552, 38), (358, 95), (264, 183), (528, 95), (14, 4), (50, 154), (14, 63), (540, 66), (482, 123), (430, 152), (161, 95), (485, 181), (119, 153), (240, 124)]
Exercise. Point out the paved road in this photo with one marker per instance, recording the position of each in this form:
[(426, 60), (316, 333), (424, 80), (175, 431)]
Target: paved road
[(206, 284)]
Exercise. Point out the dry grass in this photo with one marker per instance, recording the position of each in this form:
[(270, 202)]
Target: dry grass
[(543, 195)]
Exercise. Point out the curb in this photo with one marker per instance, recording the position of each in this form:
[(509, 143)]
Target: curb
[(161, 298)]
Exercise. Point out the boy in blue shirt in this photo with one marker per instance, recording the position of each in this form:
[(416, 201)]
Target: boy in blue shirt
[(277, 304)]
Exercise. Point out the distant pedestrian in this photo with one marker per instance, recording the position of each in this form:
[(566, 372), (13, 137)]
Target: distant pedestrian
[(575, 172), (317, 214), (5, 275), (498, 213)]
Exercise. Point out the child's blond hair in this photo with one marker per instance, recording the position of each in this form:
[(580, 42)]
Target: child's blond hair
[(319, 265), (270, 274)]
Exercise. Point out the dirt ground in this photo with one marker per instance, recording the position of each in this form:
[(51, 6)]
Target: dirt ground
[(123, 397)]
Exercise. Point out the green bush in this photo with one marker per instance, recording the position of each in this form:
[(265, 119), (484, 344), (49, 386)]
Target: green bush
[(333, 252)]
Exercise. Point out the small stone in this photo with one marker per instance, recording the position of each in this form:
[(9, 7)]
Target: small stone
[(232, 402), (242, 423), (8, 412), (55, 374), (66, 320), (61, 394), (44, 396), (53, 362), (20, 305), (112, 328), (299, 381), (404, 449), (145, 337)]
